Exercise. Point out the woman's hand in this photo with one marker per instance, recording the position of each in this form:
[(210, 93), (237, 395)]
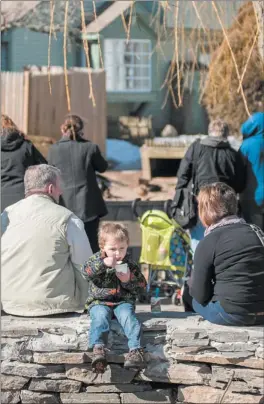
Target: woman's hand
[(123, 277), (110, 262)]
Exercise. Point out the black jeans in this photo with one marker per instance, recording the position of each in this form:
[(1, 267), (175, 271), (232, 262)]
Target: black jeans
[(91, 229)]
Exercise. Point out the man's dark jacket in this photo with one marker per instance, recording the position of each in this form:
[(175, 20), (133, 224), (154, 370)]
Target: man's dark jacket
[(211, 160), (17, 154), (78, 161)]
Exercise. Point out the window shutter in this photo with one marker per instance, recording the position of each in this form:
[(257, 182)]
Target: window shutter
[(109, 64), (120, 49)]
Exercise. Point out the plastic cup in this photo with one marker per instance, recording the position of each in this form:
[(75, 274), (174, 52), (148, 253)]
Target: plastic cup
[(121, 268)]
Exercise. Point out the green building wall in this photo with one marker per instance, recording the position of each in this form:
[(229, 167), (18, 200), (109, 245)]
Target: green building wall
[(28, 47)]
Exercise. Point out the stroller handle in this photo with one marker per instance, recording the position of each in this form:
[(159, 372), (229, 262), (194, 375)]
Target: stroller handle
[(167, 208), (134, 206)]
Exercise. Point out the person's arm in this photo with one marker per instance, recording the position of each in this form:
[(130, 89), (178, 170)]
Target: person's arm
[(137, 282), (93, 267), (37, 157), (4, 222), (49, 157), (249, 126), (98, 161), (184, 174), (201, 282), (80, 249)]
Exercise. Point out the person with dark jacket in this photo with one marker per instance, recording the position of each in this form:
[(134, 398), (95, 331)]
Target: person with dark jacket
[(252, 148), (17, 154), (227, 283), (210, 160), (78, 159)]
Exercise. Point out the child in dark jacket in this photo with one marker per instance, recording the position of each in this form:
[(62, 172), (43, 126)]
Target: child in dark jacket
[(114, 283)]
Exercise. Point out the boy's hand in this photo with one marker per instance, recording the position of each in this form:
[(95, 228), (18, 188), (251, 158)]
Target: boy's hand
[(110, 262), (123, 277)]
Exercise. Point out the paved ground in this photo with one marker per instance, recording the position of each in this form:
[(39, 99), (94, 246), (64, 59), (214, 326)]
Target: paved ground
[(125, 186)]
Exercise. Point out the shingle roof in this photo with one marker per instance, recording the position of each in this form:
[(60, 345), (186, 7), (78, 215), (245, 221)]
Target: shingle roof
[(36, 14), (12, 11)]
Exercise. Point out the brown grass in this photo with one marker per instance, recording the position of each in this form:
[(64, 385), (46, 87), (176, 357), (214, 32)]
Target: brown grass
[(222, 96)]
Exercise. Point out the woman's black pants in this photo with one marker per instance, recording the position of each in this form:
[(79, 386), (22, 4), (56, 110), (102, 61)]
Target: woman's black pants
[(91, 229)]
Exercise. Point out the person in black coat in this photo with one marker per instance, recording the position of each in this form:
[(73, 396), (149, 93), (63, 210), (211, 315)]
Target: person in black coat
[(210, 160), (79, 159), (17, 154), (227, 283)]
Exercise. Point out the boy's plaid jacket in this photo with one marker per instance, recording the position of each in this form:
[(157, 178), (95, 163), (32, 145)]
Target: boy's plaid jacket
[(104, 286)]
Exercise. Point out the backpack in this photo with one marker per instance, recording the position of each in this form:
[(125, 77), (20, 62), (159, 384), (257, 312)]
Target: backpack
[(184, 208)]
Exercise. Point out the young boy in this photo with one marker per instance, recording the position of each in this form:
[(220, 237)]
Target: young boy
[(114, 283)]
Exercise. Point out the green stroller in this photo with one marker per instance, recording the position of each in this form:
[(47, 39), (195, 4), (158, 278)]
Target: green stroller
[(166, 250)]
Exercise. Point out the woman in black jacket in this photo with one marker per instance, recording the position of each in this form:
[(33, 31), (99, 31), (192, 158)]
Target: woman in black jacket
[(79, 159), (227, 283), (17, 154)]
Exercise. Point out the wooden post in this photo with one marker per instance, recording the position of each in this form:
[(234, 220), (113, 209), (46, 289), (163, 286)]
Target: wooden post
[(26, 102), (145, 162)]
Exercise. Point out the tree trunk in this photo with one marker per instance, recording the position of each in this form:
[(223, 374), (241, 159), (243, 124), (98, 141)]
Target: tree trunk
[(259, 9)]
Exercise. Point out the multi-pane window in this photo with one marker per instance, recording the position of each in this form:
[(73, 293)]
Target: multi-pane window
[(128, 65)]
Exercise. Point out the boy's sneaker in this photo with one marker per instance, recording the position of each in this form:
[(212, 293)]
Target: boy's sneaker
[(99, 362), (135, 359)]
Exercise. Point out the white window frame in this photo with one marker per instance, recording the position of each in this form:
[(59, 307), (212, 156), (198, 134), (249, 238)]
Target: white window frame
[(115, 66)]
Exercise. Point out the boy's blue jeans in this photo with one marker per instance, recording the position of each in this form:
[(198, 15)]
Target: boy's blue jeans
[(101, 317), (215, 313)]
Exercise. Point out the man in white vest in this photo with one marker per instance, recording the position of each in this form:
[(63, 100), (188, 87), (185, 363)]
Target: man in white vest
[(43, 247)]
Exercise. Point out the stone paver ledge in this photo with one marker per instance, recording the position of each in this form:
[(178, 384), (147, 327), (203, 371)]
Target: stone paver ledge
[(46, 360)]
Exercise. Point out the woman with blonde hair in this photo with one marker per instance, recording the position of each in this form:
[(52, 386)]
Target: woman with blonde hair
[(17, 154), (227, 283)]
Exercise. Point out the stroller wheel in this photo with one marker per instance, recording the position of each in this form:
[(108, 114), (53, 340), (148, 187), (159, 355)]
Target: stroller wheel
[(142, 298), (148, 298), (176, 298), (168, 292)]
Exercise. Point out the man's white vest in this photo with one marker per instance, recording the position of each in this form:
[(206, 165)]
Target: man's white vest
[(37, 275)]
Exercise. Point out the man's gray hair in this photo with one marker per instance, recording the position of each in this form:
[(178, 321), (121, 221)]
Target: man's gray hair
[(218, 128), (38, 177)]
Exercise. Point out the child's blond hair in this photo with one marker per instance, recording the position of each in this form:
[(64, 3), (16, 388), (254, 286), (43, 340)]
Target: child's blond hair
[(116, 230)]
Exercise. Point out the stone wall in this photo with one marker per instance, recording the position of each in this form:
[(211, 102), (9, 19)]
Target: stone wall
[(45, 360)]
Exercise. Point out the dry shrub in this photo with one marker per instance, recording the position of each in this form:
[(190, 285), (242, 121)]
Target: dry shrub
[(221, 97)]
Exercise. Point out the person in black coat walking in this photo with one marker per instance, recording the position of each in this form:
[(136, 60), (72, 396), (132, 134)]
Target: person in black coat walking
[(210, 160), (79, 159), (17, 154)]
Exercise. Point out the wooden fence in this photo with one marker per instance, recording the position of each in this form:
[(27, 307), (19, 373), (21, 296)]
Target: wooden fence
[(12, 97), (26, 98)]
